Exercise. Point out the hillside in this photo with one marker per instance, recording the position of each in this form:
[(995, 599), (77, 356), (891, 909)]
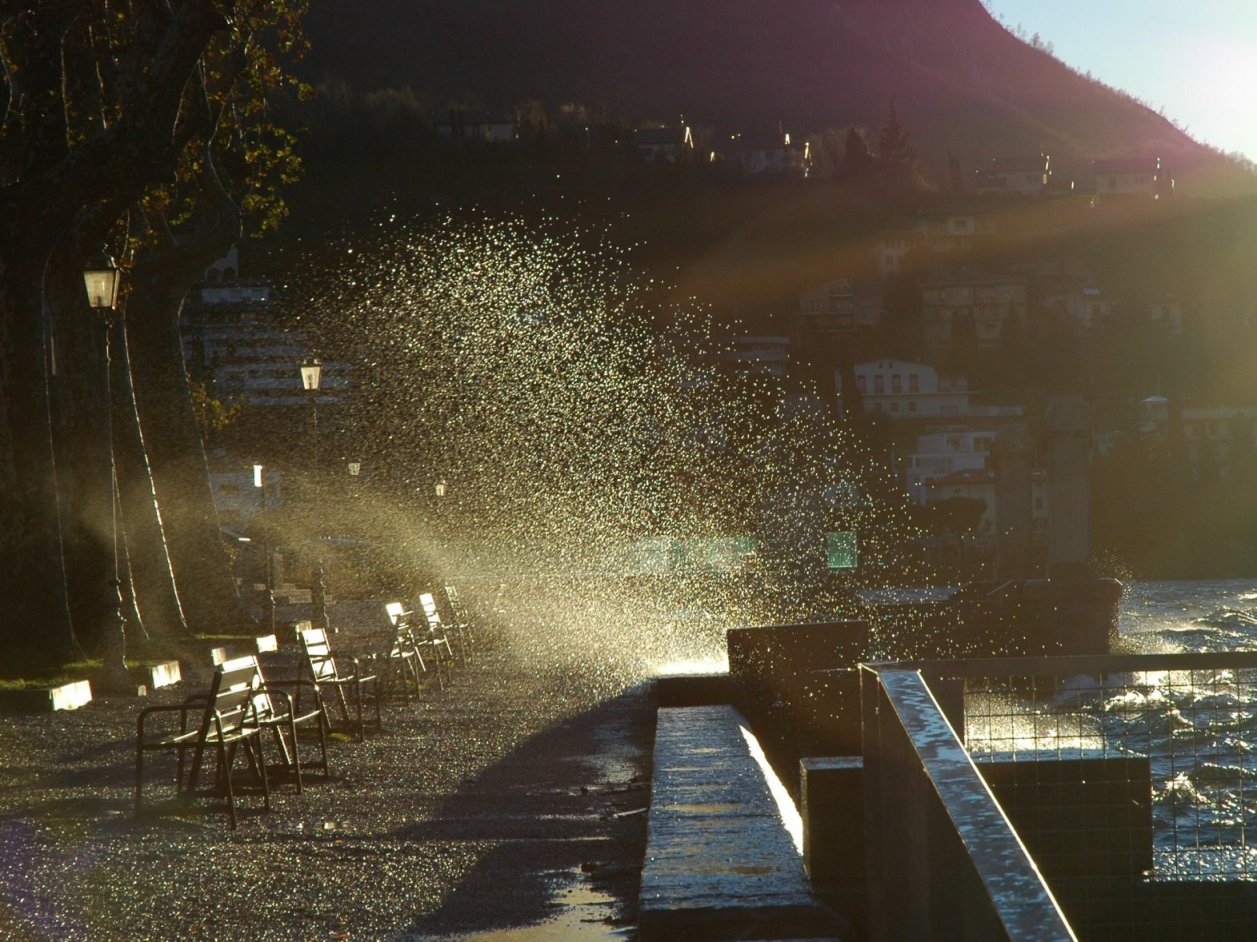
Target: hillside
[(961, 83)]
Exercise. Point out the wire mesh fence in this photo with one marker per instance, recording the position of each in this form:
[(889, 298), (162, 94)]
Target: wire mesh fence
[(1132, 782)]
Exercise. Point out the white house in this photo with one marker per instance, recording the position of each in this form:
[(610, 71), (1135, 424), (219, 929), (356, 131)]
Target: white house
[(903, 389), (980, 485), (768, 154), (939, 233), (1009, 176), (761, 354), (988, 301), (840, 306), (664, 144), (1131, 176), (942, 452)]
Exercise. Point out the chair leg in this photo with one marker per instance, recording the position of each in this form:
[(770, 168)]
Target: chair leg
[(224, 766), (266, 785), (296, 749), (362, 731), (327, 769), (139, 777)]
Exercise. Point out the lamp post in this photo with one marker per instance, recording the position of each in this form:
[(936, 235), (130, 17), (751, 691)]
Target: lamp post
[(311, 379), (101, 279), (268, 600)]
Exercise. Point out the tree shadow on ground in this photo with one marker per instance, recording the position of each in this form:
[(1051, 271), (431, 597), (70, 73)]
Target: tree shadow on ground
[(568, 801)]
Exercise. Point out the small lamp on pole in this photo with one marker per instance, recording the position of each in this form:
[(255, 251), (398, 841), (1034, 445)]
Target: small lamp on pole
[(101, 280), (268, 599)]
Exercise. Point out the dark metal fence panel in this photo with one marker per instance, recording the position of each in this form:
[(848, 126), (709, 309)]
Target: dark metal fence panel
[(1133, 783), (944, 862), (1131, 780)]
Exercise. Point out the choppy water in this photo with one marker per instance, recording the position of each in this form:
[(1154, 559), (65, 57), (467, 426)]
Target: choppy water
[(1191, 616), (1198, 729)]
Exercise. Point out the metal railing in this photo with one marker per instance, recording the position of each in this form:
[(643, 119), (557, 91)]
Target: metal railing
[(1130, 780), (943, 861)]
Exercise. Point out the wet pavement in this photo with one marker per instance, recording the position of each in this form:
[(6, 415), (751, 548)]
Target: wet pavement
[(508, 806)]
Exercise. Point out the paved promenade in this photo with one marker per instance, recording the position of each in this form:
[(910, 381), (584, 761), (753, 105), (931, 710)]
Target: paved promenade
[(508, 806)]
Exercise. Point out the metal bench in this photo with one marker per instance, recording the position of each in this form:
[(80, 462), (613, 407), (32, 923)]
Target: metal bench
[(225, 719), (438, 636), (402, 658), (324, 673), (279, 711), (462, 623)]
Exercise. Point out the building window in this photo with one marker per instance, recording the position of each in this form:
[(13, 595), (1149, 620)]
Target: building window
[(896, 384), (914, 383), (879, 385)]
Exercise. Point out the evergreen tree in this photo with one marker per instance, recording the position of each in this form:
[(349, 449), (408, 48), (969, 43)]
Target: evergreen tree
[(856, 159), (956, 180), (897, 162)]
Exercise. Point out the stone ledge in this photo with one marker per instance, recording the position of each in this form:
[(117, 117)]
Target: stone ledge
[(720, 863), (69, 696)]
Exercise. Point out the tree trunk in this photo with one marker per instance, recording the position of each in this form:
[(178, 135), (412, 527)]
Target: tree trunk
[(35, 627), (176, 452), (147, 553)]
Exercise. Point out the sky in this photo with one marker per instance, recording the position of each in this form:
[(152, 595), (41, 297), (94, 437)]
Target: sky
[(1193, 60)]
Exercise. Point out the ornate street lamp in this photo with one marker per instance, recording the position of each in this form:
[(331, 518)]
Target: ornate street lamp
[(311, 379), (311, 374), (101, 280), (440, 488)]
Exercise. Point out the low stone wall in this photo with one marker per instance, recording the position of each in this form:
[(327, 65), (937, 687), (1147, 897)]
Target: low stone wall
[(720, 863)]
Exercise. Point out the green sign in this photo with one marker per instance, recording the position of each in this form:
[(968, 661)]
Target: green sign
[(841, 549)]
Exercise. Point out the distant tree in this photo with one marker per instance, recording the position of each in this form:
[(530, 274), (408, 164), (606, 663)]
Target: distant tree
[(533, 121), (857, 161), (897, 162), (827, 153), (956, 180)]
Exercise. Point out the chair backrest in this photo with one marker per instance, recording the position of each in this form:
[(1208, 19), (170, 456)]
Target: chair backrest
[(232, 692), (428, 604), (318, 654), (262, 702), (394, 610), (455, 603)]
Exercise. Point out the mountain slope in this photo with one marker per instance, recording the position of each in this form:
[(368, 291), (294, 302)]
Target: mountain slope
[(961, 83)]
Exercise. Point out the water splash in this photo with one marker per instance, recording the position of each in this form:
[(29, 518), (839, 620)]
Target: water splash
[(630, 494)]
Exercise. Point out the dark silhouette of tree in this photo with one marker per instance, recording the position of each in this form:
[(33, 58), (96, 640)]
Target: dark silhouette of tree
[(102, 106), (955, 178), (857, 161), (897, 161)]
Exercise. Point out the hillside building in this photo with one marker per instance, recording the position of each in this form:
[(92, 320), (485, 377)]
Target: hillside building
[(1015, 176), (664, 144), (968, 305), (232, 345), (1131, 176), (840, 307)]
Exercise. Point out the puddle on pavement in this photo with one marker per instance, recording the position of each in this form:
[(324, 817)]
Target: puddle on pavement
[(582, 916)]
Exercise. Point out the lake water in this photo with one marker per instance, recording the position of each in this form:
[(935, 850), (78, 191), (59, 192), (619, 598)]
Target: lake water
[(1196, 729), (1175, 617)]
